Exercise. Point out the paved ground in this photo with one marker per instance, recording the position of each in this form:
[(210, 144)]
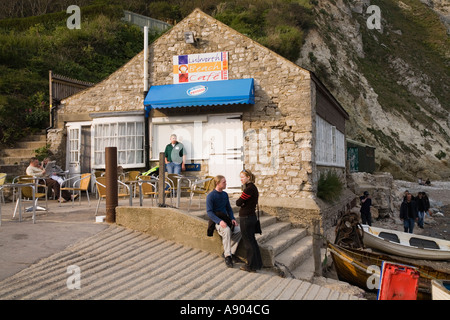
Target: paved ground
[(45, 260)]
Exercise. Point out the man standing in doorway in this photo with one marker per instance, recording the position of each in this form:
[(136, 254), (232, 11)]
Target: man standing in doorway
[(175, 156)]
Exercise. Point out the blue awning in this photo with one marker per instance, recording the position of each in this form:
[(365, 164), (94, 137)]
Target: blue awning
[(239, 91)]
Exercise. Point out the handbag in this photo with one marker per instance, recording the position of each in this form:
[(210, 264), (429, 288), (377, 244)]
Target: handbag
[(258, 223)]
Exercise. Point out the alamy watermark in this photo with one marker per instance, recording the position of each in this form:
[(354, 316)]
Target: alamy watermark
[(374, 21), (74, 280), (253, 146), (74, 21)]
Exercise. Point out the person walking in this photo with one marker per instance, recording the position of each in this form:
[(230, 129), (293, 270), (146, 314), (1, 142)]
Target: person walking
[(421, 209), (408, 213), (175, 156), (366, 203), (247, 218), (222, 219)]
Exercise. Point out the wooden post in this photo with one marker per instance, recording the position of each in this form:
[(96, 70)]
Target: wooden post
[(162, 180), (50, 93), (111, 184), (317, 244)]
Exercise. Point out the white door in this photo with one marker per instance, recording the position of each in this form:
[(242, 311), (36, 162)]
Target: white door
[(226, 138), (78, 154), (73, 150)]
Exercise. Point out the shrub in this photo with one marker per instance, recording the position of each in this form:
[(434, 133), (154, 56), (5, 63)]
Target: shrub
[(329, 187), (440, 155), (43, 152)]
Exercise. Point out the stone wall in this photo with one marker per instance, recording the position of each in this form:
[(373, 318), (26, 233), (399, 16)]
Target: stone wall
[(380, 187), (56, 139)]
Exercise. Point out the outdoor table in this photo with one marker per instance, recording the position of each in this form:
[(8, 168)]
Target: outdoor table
[(19, 200), (179, 178)]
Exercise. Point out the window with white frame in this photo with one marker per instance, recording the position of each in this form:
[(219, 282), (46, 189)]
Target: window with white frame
[(330, 144), (127, 134), (74, 147)]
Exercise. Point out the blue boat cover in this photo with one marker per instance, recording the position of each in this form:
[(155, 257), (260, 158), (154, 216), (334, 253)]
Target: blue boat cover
[(239, 91)]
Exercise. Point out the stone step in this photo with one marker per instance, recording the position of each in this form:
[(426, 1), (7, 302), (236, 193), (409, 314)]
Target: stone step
[(33, 144), (285, 239), (21, 153), (267, 220), (305, 270), (14, 160), (36, 137), (296, 253), (272, 231)]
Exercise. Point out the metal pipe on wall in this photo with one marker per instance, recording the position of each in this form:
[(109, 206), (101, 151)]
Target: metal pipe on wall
[(146, 126)]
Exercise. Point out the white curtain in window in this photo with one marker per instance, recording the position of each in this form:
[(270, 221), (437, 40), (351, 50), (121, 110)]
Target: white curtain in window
[(127, 136)]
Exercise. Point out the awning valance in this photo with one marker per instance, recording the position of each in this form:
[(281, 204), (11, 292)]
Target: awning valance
[(239, 91)]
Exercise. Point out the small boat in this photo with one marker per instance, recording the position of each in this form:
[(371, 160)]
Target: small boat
[(440, 289), (362, 268), (406, 244)]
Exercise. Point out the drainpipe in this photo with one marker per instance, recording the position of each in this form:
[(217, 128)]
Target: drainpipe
[(146, 115), (52, 108)]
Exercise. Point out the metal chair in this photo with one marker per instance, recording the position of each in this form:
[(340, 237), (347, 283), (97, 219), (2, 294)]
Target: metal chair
[(147, 187), (130, 178), (200, 187), (101, 189), (83, 185)]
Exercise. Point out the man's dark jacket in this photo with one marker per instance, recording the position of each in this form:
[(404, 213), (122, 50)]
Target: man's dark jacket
[(409, 210), (212, 225)]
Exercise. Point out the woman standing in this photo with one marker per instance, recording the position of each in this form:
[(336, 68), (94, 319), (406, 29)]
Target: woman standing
[(247, 216)]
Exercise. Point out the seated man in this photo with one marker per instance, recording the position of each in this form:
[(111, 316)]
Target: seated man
[(219, 211), (37, 171), (54, 170)]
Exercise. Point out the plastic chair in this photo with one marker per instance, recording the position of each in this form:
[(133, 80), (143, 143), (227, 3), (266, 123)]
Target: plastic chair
[(204, 186), (83, 185), (100, 182)]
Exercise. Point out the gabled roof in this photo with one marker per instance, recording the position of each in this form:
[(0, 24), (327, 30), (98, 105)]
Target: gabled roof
[(137, 63)]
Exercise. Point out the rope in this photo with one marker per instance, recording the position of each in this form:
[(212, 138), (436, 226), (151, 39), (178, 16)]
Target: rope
[(277, 264)]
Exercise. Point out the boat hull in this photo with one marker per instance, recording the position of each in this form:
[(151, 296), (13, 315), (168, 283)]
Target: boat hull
[(402, 247), (357, 267), (439, 291)]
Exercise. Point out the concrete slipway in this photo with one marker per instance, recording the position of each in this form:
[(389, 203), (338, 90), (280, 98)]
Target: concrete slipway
[(45, 260)]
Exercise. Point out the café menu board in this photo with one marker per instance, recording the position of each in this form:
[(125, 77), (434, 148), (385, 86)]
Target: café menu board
[(200, 67)]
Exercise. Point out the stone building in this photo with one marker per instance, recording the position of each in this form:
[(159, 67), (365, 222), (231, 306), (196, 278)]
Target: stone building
[(266, 114)]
